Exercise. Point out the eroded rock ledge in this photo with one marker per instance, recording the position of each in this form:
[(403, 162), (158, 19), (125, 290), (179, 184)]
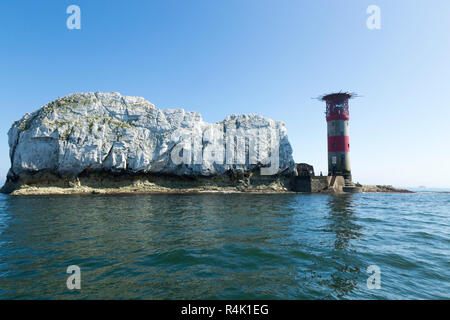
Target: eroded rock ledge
[(116, 183), (90, 142)]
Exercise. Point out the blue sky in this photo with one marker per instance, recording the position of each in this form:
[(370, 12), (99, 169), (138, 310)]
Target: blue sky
[(250, 56)]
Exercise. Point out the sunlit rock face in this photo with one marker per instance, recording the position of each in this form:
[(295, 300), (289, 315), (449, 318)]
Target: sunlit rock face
[(91, 132)]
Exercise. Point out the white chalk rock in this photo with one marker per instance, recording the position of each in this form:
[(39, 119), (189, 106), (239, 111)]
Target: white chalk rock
[(91, 132)]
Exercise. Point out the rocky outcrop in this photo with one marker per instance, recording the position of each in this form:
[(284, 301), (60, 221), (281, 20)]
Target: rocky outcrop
[(382, 189), (89, 133)]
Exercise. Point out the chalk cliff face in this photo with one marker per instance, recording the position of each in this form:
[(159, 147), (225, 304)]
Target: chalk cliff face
[(95, 132)]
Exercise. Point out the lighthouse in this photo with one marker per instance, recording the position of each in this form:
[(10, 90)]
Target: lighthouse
[(337, 116)]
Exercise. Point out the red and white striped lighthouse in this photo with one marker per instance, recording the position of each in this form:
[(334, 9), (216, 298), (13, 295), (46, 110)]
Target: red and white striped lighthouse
[(337, 115)]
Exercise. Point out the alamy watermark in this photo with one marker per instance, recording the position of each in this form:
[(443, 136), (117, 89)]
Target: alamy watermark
[(374, 280), (74, 20), (233, 148), (74, 280), (374, 20)]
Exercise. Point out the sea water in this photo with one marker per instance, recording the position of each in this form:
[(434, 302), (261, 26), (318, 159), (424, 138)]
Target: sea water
[(226, 246)]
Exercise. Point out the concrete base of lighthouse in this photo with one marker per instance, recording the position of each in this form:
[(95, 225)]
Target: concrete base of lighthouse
[(349, 186), (322, 184), (352, 189), (304, 180)]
